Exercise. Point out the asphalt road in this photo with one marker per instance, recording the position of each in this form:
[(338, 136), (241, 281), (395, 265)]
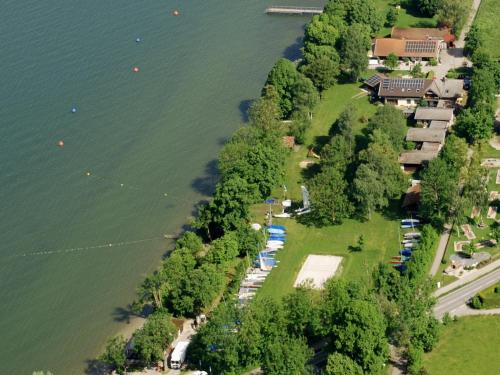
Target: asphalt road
[(458, 298)]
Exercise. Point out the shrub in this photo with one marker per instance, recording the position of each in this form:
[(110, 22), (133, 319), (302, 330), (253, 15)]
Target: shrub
[(476, 302), (497, 289), (433, 62), (447, 319)]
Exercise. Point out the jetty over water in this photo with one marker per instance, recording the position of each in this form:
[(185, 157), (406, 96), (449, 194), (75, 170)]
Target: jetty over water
[(301, 11)]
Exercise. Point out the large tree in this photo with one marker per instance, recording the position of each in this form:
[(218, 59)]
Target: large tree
[(322, 30), (302, 314), (341, 364), (304, 93), (392, 122), (338, 153), (473, 40), (286, 355), (369, 190), (355, 324), (114, 354), (223, 249), (452, 13), (455, 152), (439, 190), (230, 206), (391, 61), (427, 8), (283, 77), (264, 113), (475, 124), (355, 44), (356, 11), (154, 337), (323, 72), (328, 197), (483, 89)]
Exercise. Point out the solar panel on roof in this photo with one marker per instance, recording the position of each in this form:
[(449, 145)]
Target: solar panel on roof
[(420, 46), (402, 83), (373, 81)]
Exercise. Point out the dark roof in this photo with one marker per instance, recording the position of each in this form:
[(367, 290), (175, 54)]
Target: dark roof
[(405, 48), (433, 113), (422, 33), (374, 80), (412, 196), (448, 88), (426, 135), (404, 87)]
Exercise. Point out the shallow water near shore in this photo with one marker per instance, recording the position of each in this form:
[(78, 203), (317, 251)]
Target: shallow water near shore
[(81, 225)]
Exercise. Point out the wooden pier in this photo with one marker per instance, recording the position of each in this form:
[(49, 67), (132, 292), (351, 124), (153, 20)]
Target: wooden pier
[(301, 11)]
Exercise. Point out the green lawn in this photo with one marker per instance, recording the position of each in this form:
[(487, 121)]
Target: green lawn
[(469, 346), (381, 239), (405, 18), (380, 233), (487, 19), (491, 300)]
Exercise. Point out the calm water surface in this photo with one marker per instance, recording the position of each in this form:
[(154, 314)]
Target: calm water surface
[(147, 139)]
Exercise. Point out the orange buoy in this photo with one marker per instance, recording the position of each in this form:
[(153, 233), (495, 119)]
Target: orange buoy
[(176, 13), (135, 69), (60, 143)]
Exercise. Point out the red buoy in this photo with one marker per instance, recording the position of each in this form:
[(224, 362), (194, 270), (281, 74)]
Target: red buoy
[(60, 143), (135, 69), (176, 13)]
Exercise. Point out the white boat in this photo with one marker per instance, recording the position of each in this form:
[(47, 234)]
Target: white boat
[(275, 247), (411, 235)]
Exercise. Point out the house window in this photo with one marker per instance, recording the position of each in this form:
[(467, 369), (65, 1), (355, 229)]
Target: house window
[(408, 101)]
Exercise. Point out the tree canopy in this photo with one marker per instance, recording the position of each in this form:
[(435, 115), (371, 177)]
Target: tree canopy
[(329, 198), (355, 44), (392, 122), (153, 338)]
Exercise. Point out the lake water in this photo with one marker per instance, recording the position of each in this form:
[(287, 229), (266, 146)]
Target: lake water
[(81, 225)]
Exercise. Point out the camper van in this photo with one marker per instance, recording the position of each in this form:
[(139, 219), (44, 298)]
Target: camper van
[(178, 355)]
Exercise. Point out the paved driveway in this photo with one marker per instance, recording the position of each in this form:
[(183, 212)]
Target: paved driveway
[(452, 58)]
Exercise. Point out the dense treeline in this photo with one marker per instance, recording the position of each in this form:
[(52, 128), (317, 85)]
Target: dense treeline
[(407, 303), (344, 318), (445, 177), (475, 123)]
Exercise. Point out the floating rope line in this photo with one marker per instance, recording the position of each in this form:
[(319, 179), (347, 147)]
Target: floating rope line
[(114, 182), (78, 249)]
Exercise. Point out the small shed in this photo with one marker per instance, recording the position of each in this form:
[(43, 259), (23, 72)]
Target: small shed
[(426, 135), (415, 158), (429, 114), (412, 196)]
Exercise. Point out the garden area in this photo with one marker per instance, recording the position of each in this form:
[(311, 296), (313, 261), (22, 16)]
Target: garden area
[(405, 17), (467, 346)]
